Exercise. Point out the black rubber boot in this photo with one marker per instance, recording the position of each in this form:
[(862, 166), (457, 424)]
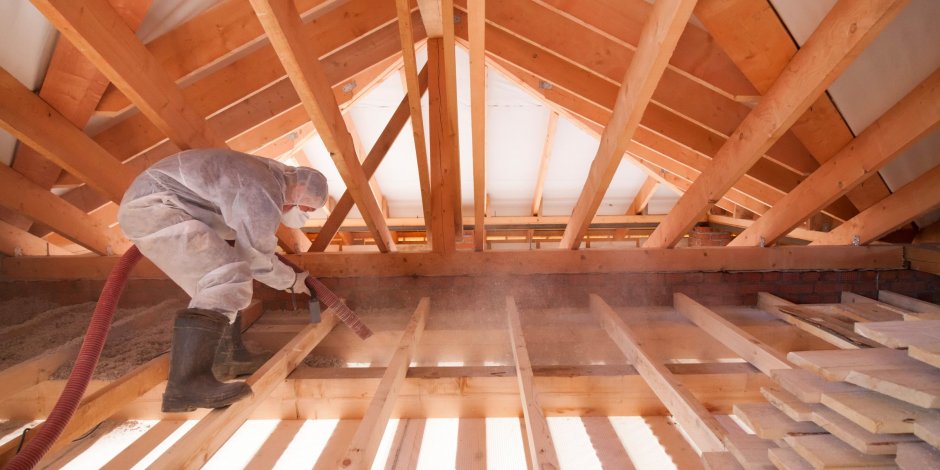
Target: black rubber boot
[(233, 358), (192, 385)]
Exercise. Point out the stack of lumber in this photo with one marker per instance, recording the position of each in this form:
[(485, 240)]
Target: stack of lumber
[(873, 404)]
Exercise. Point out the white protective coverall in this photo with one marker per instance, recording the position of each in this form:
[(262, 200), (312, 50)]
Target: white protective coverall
[(180, 212)]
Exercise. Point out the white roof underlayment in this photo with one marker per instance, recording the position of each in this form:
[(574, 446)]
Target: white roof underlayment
[(902, 56)]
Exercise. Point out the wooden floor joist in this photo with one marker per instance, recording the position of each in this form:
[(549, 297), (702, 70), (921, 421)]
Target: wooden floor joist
[(741, 342), (541, 453), (199, 444), (365, 443), (697, 421)]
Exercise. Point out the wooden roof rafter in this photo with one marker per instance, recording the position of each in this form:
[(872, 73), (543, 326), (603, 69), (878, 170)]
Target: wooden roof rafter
[(282, 23), (813, 68), (915, 116), (658, 39)]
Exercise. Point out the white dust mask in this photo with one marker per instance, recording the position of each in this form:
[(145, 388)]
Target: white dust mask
[(294, 217)]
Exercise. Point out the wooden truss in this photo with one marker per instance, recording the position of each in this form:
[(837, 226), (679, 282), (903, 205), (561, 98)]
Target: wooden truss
[(674, 99)]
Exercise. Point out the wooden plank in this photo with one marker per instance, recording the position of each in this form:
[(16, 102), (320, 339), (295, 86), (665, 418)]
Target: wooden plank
[(476, 15), (820, 61), (100, 33), (770, 423), (660, 35), (25, 197), (643, 196), (698, 423), (838, 364), (442, 227), (539, 439), (926, 352), (906, 204), (736, 339), (908, 303), (929, 431), (755, 38), (543, 163), (857, 437), (885, 311), (750, 450), (720, 461), (827, 451), (919, 386), (917, 456), (788, 403), (281, 21), (37, 124), (819, 324), (341, 265), (195, 448), (449, 111), (365, 443), (369, 166), (785, 458), (901, 334), (17, 242), (807, 386), (877, 413), (912, 118), (414, 93)]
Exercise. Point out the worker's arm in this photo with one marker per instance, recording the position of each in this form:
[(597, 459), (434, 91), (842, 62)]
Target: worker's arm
[(255, 215)]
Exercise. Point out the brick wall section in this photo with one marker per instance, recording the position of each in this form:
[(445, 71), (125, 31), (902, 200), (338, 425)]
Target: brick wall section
[(544, 291), (708, 236)]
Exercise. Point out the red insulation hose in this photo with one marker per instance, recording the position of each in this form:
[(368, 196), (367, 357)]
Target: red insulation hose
[(327, 296), (85, 364)]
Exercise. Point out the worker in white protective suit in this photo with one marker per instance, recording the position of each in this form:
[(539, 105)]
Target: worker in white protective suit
[(179, 213)]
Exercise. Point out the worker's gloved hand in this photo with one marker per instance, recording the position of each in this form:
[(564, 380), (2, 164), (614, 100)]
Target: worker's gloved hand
[(300, 287)]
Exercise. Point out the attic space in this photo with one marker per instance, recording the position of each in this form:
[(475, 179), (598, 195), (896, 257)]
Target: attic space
[(469, 234)]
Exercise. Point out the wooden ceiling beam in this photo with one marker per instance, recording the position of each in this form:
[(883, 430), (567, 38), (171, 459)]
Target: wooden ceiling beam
[(15, 241), (281, 21), (371, 163), (477, 38), (37, 124), (444, 222), (643, 196), (543, 162), (73, 86), (658, 154), (906, 204), (96, 29), (912, 118), (259, 77), (738, 223), (657, 41), (842, 35), (229, 30), (413, 90), (754, 37), (23, 196), (365, 60), (558, 79), (432, 16), (488, 263), (604, 58)]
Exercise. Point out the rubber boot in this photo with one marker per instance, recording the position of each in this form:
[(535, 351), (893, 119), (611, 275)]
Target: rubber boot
[(233, 358), (191, 384)]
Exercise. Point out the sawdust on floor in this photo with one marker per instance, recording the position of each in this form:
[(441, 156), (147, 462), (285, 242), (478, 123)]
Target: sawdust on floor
[(130, 348), (16, 311), (48, 330)]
